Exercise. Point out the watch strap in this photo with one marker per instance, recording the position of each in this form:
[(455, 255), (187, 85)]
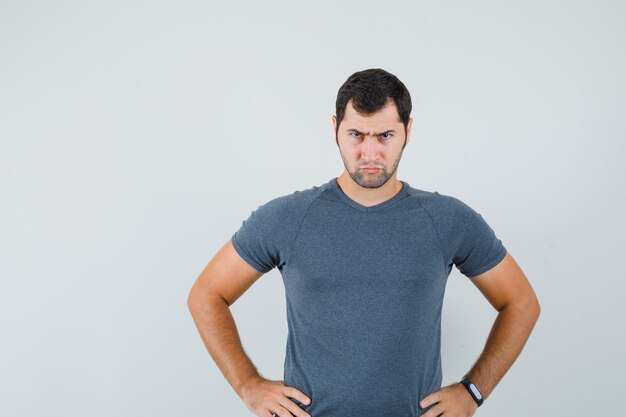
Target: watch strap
[(473, 390)]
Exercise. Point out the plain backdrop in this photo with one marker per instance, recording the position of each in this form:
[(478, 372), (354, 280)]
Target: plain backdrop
[(136, 136)]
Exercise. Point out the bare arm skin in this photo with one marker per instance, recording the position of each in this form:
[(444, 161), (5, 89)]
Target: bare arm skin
[(223, 281), (507, 289)]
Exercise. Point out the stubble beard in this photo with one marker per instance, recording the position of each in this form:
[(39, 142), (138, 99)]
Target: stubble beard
[(366, 180)]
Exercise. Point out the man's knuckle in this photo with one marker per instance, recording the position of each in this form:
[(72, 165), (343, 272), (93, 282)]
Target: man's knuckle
[(296, 394), (294, 409)]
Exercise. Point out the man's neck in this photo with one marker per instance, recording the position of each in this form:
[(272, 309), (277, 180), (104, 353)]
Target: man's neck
[(368, 196)]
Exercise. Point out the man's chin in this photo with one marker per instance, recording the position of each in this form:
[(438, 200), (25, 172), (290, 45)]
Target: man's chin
[(376, 182)]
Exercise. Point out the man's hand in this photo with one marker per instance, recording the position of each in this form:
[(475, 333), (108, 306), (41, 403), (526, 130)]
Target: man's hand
[(451, 401), (266, 398)]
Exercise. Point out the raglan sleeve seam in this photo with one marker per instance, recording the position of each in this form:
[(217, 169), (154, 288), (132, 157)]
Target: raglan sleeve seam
[(295, 238), (472, 273), (441, 247)]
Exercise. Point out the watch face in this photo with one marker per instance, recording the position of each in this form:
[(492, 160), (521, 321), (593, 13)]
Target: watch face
[(475, 391)]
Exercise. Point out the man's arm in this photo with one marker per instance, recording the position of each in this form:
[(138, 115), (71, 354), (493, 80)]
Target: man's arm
[(507, 289), (219, 285), (223, 281)]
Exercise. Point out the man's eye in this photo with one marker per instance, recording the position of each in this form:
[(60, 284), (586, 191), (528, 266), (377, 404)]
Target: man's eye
[(386, 135), (355, 134)]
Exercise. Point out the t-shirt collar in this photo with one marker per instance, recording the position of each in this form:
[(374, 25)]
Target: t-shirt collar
[(398, 196)]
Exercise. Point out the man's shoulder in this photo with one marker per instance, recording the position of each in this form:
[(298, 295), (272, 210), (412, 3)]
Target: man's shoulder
[(434, 199), (297, 198), (294, 204), (439, 205)]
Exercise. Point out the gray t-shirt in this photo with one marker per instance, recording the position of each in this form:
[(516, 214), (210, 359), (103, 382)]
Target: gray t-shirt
[(364, 289)]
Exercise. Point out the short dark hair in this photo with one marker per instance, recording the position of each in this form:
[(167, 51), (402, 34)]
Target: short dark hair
[(370, 90)]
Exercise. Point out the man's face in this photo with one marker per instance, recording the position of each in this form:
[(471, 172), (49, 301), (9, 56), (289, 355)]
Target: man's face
[(374, 140)]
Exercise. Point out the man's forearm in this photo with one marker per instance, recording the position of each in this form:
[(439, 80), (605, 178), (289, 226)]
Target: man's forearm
[(508, 335), (220, 336)]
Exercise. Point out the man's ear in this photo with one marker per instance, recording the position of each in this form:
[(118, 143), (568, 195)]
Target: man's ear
[(334, 119)]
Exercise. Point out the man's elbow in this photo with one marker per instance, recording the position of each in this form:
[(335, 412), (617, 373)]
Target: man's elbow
[(534, 309), (199, 298), (530, 306), (525, 304)]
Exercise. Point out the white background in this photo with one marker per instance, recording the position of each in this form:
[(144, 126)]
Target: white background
[(135, 137)]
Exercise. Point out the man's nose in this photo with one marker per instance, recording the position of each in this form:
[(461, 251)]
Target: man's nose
[(369, 147)]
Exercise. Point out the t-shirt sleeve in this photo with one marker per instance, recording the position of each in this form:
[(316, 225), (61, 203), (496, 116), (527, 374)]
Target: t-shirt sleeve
[(478, 249), (265, 237), (467, 239)]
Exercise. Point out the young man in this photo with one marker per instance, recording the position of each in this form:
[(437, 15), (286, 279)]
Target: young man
[(364, 259)]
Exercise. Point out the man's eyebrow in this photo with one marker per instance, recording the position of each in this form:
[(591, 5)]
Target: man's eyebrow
[(376, 134)]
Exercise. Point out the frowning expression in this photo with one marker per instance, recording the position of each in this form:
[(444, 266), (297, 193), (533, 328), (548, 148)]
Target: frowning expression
[(371, 145)]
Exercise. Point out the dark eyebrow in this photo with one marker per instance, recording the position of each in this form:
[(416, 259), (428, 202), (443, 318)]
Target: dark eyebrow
[(377, 134)]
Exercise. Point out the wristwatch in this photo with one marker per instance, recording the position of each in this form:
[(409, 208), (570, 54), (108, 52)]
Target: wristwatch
[(473, 390)]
